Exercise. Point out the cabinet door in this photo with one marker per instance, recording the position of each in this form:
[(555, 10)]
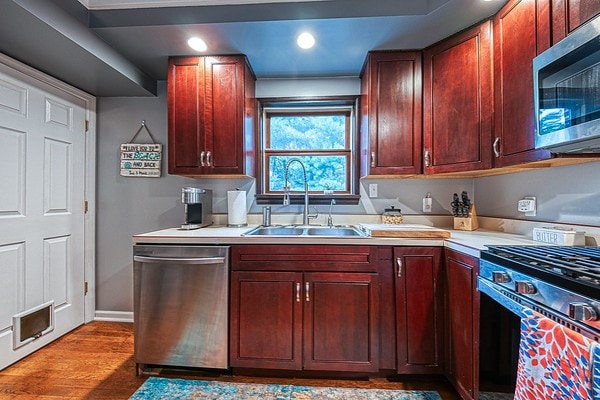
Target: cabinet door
[(391, 114), (568, 15), (266, 320), (225, 114), (341, 322), (463, 323), (212, 116), (457, 96), (521, 31), (186, 99), (419, 310)]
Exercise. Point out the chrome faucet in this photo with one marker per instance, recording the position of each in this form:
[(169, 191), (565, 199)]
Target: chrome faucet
[(329, 219), (286, 191)]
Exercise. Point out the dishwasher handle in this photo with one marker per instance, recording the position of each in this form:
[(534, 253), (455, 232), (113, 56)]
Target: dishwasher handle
[(182, 260)]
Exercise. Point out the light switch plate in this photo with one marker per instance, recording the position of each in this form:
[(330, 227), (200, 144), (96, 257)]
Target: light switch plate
[(372, 190)]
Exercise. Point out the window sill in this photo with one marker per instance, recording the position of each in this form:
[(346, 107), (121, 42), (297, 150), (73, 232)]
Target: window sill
[(314, 199)]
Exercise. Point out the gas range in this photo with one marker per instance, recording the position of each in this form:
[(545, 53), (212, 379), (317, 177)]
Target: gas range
[(574, 268), (560, 282)]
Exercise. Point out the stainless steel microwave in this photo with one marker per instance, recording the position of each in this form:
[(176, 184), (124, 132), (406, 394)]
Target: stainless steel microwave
[(566, 80)]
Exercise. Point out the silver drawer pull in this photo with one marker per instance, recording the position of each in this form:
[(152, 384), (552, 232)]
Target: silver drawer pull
[(307, 290)]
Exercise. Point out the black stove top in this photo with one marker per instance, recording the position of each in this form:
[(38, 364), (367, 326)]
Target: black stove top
[(575, 268)]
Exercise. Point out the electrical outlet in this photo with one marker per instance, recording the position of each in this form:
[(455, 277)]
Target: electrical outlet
[(372, 190), (427, 204), (527, 205)]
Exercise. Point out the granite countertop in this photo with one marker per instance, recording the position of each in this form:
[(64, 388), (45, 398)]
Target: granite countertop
[(469, 242)]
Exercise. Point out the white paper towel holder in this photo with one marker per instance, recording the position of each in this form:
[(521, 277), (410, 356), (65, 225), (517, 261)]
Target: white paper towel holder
[(241, 225)]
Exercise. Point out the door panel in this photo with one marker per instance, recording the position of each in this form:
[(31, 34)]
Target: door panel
[(266, 320), (341, 322), (42, 156)]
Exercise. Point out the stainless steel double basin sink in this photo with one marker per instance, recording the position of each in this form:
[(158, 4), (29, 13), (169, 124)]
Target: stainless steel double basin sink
[(303, 230)]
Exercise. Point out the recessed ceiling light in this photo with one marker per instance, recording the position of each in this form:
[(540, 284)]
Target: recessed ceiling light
[(305, 40), (197, 44)]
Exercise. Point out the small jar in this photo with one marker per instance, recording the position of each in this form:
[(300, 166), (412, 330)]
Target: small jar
[(392, 216)]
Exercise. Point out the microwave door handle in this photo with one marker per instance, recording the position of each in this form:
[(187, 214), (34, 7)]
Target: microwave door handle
[(175, 260)]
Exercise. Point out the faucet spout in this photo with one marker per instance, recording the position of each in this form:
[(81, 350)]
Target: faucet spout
[(286, 189)]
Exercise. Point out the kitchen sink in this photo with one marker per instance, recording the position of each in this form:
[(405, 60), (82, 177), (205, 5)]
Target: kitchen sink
[(334, 231)]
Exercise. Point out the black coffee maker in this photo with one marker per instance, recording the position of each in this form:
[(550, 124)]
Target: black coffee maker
[(197, 205)]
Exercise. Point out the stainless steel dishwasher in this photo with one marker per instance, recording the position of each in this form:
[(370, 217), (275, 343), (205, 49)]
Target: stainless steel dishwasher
[(181, 305)]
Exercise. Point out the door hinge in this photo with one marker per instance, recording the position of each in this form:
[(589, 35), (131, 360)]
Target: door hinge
[(86, 207), (87, 125), (85, 288)]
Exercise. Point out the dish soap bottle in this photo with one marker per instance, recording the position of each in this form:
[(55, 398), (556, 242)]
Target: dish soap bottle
[(392, 216)]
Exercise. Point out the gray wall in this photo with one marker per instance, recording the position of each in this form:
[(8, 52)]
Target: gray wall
[(569, 194), (133, 205)]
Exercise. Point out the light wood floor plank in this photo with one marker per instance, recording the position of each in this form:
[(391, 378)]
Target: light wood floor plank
[(95, 361)]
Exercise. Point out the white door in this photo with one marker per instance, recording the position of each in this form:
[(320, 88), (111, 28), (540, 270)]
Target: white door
[(42, 172)]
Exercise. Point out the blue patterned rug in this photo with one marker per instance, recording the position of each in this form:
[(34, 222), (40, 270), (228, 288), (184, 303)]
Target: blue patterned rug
[(164, 388)]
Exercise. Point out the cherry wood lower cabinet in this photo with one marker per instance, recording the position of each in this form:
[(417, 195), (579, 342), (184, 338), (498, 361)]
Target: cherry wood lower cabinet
[(463, 323), (305, 308), (419, 310)]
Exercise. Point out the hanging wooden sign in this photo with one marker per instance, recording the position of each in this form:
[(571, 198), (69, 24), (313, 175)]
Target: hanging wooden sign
[(141, 160)]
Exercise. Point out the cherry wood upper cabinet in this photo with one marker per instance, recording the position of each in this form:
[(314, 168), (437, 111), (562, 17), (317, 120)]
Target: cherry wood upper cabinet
[(521, 32), (568, 15), (457, 102), (212, 116), (390, 114)]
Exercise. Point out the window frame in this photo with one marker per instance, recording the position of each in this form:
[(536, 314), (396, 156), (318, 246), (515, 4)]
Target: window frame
[(346, 105)]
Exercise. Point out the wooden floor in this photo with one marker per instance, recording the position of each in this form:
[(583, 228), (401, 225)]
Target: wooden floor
[(96, 362)]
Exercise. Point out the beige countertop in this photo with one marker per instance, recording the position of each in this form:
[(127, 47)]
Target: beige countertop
[(466, 242)]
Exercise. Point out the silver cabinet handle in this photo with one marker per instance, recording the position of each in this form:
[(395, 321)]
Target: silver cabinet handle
[(399, 267), (426, 159), (182, 260), (297, 292), (496, 147), (307, 290), (208, 160), (202, 153), (373, 159)]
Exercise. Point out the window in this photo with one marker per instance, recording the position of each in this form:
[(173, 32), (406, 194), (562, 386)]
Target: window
[(321, 135)]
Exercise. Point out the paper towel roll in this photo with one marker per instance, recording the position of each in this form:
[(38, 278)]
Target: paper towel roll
[(236, 208)]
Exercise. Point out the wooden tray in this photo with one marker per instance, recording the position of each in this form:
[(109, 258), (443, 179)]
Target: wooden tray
[(406, 231)]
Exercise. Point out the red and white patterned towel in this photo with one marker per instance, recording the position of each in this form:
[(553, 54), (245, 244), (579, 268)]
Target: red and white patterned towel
[(554, 361)]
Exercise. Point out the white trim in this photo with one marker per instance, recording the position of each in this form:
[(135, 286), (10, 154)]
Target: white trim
[(90, 173), (119, 4), (114, 316)]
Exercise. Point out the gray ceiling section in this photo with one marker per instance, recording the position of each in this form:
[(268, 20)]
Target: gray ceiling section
[(124, 52), (39, 34)]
